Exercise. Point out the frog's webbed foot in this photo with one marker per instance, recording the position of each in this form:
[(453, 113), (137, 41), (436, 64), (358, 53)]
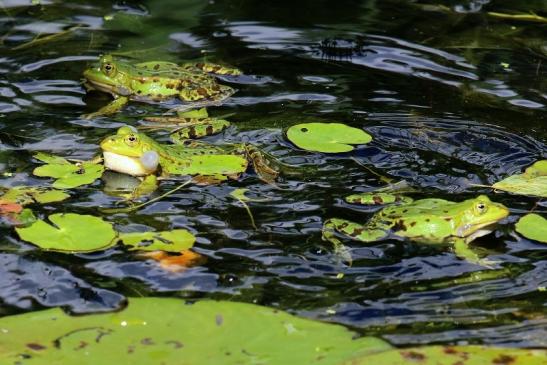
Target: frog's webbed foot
[(262, 163), (115, 106), (214, 68)]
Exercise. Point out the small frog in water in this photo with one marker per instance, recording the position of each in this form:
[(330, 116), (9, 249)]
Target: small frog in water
[(431, 221), (136, 154), (156, 81)]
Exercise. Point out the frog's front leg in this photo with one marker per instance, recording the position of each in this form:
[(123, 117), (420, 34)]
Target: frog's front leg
[(351, 230), (115, 106), (463, 251), (214, 68)]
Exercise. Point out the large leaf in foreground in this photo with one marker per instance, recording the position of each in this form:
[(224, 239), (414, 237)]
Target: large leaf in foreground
[(326, 137), (172, 332), (68, 175), (70, 233), (169, 241), (533, 226), (453, 355)]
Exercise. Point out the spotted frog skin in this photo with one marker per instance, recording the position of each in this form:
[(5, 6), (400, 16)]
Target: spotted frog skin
[(156, 81), (136, 154), (432, 221)]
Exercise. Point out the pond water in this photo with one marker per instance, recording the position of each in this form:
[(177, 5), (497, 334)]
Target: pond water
[(452, 96)]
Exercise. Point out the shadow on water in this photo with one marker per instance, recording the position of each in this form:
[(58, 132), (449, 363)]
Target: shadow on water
[(452, 97)]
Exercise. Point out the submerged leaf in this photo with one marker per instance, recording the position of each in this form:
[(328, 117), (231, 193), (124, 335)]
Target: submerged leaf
[(172, 332), (533, 226), (68, 175), (169, 241), (326, 137), (27, 195), (70, 233), (532, 182)]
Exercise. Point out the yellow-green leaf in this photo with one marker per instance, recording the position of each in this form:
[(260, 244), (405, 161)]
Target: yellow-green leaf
[(326, 137), (533, 226), (169, 241)]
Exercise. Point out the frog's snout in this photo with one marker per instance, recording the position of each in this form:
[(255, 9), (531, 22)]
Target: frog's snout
[(107, 143)]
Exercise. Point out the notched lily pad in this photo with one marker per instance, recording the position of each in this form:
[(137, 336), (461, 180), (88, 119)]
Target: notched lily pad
[(532, 182), (68, 175), (533, 226), (169, 241), (70, 233), (327, 137), (172, 332)]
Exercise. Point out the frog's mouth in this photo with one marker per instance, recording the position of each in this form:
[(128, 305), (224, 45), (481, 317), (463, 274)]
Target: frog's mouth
[(106, 88), (479, 230)]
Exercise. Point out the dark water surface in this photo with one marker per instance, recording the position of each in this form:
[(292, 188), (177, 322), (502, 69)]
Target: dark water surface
[(451, 95)]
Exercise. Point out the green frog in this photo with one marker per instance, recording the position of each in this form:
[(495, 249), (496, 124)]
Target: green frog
[(156, 81), (430, 221), (134, 153)]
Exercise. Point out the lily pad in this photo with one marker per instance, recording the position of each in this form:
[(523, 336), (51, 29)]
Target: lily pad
[(533, 226), (25, 195), (327, 137), (70, 233), (213, 165), (532, 182), (450, 355), (68, 175), (194, 113), (169, 241), (172, 332)]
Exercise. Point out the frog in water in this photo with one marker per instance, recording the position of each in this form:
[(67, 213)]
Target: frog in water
[(156, 81), (431, 221), (136, 154)]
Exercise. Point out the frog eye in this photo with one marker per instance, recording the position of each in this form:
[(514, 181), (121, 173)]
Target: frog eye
[(131, 139), (481, 208), (109, 69)]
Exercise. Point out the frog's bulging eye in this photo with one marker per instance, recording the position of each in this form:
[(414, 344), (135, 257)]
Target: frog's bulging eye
[(481, 208), (131, 139), (109, 69)]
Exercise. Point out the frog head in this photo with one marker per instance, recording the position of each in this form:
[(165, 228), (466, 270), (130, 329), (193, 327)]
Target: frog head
[(478, 217), (130, 152), (110, 76)]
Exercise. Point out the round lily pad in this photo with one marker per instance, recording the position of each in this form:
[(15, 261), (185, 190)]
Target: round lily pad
[(170, 241), (327, 137), (70, 233), (533, 226), (532, 182), (68, 175)]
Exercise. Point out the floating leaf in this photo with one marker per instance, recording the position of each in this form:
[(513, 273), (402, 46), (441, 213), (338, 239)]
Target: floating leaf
[(195, 113), (71, 233), (532, 182), (450, 355), (376, 198), (173, 332), (27, 195), (169, 241), (68, 175), (533, 226), (213, 165), (326, 137)]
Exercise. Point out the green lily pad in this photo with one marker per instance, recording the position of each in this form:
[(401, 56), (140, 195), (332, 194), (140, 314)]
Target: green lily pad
[(195, 113), (70, 233), (169, 241), (327, 137), (68, 175), (533, 226), (173, 332), (450, 355), (532, 182), (25, 195), (213, 165)]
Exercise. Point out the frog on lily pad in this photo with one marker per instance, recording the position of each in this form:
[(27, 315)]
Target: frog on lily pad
[(429, 221), (156, 81), (134, 153)]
